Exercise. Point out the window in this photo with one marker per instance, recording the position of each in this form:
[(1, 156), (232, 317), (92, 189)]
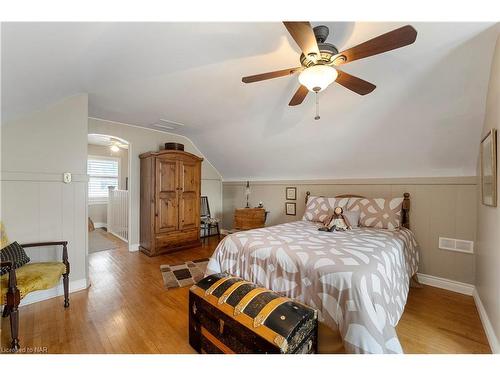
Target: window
[(103, 172)]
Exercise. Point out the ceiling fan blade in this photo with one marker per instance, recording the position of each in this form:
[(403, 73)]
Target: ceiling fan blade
[(270, 75), (299, 96), (386, 42), (303, 35), (358, 85)]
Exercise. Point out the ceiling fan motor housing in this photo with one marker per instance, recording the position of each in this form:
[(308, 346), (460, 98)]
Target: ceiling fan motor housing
[(327, 50)]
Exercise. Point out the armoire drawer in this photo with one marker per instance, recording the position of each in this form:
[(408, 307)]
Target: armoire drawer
[(177, 238)]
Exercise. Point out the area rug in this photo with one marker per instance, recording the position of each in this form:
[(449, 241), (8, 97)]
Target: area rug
[(183, 274)]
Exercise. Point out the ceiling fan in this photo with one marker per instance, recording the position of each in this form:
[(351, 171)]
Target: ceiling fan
[(115, 145), (320, 60)]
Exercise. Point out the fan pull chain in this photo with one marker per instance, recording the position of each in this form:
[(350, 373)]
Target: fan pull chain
[(317, 117)]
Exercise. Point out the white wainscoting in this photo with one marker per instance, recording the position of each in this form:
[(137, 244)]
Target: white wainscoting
[(42, 295), (43, 208)]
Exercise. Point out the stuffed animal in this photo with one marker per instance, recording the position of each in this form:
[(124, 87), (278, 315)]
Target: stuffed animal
[(337, 221)]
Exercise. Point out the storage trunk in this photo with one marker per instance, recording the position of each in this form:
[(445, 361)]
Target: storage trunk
[(230, 315)]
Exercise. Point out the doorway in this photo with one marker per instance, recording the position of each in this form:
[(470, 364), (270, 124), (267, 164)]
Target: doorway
[(108, 192)]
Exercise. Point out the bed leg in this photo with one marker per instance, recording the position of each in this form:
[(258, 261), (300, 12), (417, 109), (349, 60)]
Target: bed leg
[(414, 283)]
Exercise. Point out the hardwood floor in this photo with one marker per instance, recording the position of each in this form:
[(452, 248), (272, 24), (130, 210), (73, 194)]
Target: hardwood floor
[(127, 310)]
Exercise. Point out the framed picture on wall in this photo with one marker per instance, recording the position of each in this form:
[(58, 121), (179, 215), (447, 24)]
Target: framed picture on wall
[(489, 169), (291, 193), (290, 208)]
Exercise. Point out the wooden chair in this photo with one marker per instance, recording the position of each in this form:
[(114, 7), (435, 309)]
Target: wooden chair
[(17, 283), (207, 221)]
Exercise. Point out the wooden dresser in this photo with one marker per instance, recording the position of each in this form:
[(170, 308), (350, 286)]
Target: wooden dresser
[(170, 201), (249, 218)]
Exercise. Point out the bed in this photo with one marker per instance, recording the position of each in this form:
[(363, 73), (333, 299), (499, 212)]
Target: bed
[(357, 279)]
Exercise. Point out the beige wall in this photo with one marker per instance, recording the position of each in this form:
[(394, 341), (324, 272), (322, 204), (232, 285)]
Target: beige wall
[(488, 224), (142, 140), (98, 212), (440, 207), (35, 203)]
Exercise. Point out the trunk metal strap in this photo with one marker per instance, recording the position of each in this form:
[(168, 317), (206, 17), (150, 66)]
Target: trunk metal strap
[(247, 299), (230, 290), (267, 310), (217, 284)]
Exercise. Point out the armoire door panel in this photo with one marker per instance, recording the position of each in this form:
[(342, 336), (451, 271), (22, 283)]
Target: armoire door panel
[(189, 199), (189, 177), (189, 217), (167, 218), (166, 174)]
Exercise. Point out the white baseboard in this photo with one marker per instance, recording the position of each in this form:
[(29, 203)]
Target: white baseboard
[(439, 282), (470, 290), (100, 225), (488, 328), (133, 247), (41, 295)]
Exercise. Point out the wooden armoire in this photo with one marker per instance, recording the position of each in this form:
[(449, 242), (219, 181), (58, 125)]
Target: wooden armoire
[(170, 201)]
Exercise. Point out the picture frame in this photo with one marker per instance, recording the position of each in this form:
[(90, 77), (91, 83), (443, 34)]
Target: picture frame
[(290, 208), (488, 156), (291, 193)]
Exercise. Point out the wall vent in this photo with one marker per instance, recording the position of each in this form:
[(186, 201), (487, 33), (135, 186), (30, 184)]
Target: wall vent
[(453, 244)]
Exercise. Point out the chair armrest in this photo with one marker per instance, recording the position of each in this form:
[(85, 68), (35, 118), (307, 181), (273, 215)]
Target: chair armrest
[(64, 244), (12, 286), (39, 244), (7, 264)]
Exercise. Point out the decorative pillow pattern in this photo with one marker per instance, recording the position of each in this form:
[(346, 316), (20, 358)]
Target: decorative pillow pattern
[(377, 213), (353, 218), (13, 253), (319, 208)]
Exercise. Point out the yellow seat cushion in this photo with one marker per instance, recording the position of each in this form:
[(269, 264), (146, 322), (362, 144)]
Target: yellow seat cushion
[(34, 276), (4, 240)]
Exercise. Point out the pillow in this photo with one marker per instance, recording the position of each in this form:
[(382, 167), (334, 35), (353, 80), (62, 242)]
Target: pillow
[(319, 208), (353, 218), (378, 212), (13, 253)]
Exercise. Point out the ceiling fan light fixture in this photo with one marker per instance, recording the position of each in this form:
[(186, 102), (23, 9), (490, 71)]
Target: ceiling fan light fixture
[(318, 77)]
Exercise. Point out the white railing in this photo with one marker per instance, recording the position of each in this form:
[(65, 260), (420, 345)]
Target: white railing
[(117, 221)]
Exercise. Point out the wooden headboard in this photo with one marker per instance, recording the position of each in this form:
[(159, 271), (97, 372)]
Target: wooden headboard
[(405, 214)]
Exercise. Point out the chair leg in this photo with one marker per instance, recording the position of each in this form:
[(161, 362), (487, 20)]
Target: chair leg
[(218, 231), (14, 328), (6, 311), (66, 290)]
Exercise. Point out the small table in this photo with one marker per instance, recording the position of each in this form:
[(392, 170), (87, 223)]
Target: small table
[(249, 218)]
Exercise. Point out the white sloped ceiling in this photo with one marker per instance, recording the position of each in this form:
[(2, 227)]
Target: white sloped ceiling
[(424, 118)]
